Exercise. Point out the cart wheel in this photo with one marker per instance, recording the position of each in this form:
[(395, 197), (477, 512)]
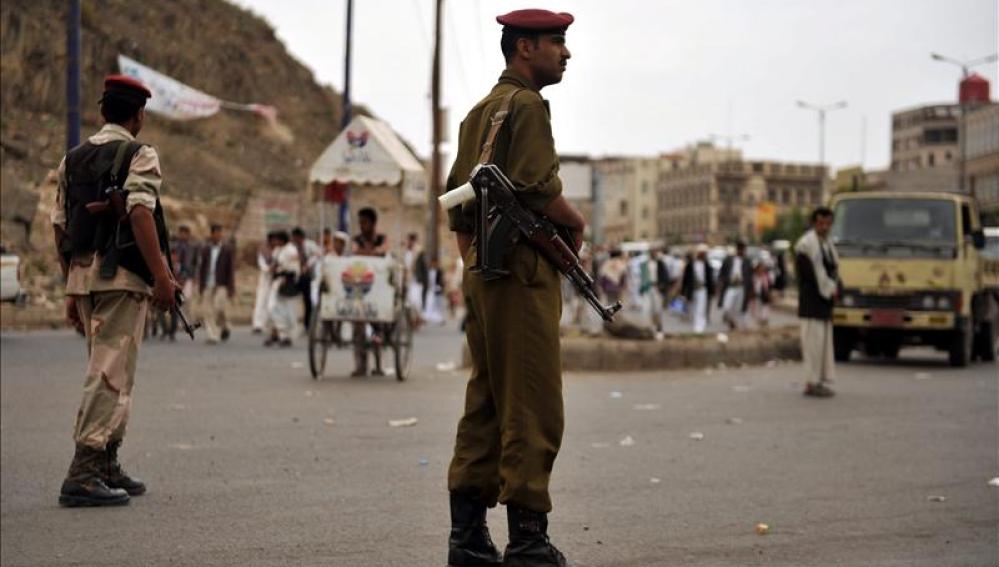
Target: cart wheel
[(319, 342), (402, 343)]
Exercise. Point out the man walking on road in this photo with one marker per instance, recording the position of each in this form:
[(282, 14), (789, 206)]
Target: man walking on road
[(109, 285), (697, 287), (816, 263), (511, 430), (216, 285), (736, 287)]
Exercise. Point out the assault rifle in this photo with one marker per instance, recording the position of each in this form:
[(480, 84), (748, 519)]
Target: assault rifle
[(114, 204), (502, 220)]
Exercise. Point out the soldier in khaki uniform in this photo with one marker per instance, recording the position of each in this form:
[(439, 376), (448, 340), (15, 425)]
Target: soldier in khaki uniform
[(109, 308), (511, 430)]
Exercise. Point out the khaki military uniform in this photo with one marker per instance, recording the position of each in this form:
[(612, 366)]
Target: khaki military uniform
[(512, 426), (113, 311)]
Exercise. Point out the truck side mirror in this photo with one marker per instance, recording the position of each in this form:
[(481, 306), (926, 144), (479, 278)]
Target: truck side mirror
[(978, 239)]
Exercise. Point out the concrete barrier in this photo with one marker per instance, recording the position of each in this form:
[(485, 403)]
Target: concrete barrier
[(596, 354)]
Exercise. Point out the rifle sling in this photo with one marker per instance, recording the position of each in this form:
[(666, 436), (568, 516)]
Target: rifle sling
[(496, 122)]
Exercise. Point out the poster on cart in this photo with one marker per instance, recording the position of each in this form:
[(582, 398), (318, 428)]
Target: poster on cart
[(359, 288)]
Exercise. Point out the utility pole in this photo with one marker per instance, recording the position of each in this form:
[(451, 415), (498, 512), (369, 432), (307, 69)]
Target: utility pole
[(73, 74), (961, 126), (433, 232), (821, 110), (346, 110)]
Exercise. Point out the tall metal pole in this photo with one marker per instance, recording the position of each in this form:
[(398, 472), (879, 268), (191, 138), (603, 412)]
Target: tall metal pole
[(822, 123), (73, 74), (822, 136), (433, 232), (346, 109)]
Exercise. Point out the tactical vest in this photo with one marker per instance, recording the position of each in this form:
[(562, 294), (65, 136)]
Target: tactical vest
[(92, 169)]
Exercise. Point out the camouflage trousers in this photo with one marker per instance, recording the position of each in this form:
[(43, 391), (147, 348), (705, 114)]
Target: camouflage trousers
[(114, 322)]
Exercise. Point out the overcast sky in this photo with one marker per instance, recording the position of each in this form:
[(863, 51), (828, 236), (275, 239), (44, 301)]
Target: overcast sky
[(651, 76)]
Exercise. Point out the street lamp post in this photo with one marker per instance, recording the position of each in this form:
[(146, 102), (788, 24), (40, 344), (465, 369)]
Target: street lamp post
[(821, 110), (962, 138)]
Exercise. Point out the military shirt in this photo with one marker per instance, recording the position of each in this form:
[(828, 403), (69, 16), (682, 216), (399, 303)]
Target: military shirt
[(524, 148), (143, 186)]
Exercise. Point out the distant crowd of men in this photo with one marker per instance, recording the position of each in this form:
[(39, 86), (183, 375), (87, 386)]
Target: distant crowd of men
[(651, 283)]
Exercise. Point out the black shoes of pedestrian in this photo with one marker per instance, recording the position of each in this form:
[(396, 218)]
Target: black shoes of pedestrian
[(469, 544), (529, 545), (285, 343), (225, 334), (116, 477), (84, 485), (819, 390)]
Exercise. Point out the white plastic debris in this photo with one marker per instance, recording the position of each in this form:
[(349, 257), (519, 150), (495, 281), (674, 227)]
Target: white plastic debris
[(722, 338), (328, 421), (762, 529), (297, 365), (697, 436), (309, 393), (655, 480), (182, 446), (647, 407), (937, 498), (408, 422), (448, 366), (424, 462), (616, 395), (628, 441), (733, 421), (994, 482), (923, 375)]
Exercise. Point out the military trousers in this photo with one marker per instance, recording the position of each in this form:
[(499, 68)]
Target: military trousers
[(512, 425), (113, 322)]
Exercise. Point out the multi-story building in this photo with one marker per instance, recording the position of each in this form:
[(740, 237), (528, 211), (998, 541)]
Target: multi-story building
[(616, 179), (982, 166), (718, 201), (925, 137)]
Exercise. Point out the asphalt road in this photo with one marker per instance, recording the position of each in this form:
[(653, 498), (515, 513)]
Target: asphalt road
[(252, 463)]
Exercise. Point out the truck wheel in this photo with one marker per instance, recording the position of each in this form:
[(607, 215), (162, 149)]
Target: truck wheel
[(985, 342), (890, 350), (872, 349), (959, 352), (843, 345)]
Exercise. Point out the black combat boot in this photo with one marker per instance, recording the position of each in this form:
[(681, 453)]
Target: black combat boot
[(115, 476), (529, 545), (84, 485), (470, 544)]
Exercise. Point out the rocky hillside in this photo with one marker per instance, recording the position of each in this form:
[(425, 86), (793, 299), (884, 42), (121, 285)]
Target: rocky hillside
[(211, 45)]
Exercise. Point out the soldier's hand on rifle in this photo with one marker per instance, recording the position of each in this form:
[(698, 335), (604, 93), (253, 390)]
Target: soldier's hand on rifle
[(164, 293), (577, 239), (72, 315)]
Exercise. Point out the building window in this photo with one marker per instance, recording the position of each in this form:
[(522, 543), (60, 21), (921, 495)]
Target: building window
[(623, 208), (931, 159)]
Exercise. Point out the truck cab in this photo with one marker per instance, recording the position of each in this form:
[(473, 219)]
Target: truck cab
[(913, 273)]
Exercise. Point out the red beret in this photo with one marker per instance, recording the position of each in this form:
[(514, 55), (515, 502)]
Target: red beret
[(536, 20), (123, 84)]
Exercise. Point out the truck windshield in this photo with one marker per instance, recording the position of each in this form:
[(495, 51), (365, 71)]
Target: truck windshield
[(905, 228)]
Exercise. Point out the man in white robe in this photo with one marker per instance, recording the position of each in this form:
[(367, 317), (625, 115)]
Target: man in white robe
[(816, 263)]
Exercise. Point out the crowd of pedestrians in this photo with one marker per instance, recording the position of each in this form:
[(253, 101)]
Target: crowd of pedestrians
[(654, 283)]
